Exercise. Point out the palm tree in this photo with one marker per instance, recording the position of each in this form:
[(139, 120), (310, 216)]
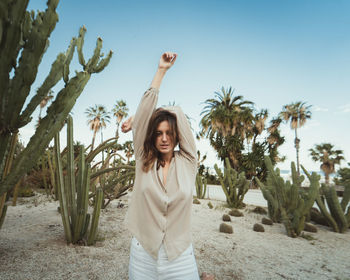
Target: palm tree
[(128, 150), (325, 154), (297, 113), (120, 111), (227, 120), (97, 119)]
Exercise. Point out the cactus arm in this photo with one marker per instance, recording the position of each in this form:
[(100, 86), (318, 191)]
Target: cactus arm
[(68, 59), (5, 140), (52, 174), (220, 175), (103, 63), (335, 209), (85, 227), (103, 171), (51, 80), (80, 43), (3, 214), (95, 217), (71, 169), (95, 57), (80, 177), (86, 189), (346, 195), (205, 187), (61, 191), (51, 123), (198, 188), (103, 146), (10, 39), (272, 203), (326, 214), (43, 174), (31, 56)]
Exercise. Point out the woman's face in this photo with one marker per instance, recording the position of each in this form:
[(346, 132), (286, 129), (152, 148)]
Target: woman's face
[(164, 140)]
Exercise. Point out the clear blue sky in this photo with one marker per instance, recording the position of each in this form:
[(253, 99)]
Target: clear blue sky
[(272, 52)]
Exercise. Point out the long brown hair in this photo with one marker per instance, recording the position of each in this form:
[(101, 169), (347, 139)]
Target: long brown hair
[(150, 151)]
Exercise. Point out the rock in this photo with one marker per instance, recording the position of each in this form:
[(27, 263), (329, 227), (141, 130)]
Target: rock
[(210, 205), (235, 213), (226, 218), (226, 228), (196, 201), (310, 228), (260, 210), (266, 221), (258, 228)]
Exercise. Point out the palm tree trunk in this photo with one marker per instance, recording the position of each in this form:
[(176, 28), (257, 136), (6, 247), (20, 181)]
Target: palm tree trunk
[(326, 178), (93, 140), (117, 132), (296, 142)]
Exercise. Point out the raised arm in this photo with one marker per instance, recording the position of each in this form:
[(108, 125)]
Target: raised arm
[(140, 121), (186, 140)]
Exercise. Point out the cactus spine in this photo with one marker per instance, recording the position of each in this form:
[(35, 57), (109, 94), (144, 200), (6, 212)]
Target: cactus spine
[(73, 193), (201, 186), (288, 202), (234, 185)]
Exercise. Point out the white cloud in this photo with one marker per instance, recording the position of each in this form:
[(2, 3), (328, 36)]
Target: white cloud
[(319, 109), (311, 123), (344, 108)]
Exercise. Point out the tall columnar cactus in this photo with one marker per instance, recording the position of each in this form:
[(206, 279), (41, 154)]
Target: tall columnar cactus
[(336, 215), (234, 185), (23, 40), (287, 201), (73, 193), (201, 186)]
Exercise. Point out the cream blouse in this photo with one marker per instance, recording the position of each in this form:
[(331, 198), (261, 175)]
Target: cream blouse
[(161, 213)]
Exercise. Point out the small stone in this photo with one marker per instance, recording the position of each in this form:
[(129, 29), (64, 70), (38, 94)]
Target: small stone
[(210, 205), (260, 210), (310, 228), (258, 228), (235, 213), (196, 201), (226, 228), (266, 221), (226, 218)]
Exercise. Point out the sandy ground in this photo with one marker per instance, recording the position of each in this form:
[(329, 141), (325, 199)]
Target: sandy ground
[(32, 246)]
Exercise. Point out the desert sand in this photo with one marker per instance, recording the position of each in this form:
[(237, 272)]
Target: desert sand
[(32, 246)]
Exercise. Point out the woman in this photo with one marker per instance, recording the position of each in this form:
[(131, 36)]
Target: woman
[(159, 214)]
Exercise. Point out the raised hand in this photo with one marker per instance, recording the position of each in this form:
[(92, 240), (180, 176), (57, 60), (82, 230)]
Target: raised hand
[(167, 60), (127, 125)]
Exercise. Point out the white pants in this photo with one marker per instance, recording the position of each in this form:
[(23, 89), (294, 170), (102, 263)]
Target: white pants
[(143, 267)]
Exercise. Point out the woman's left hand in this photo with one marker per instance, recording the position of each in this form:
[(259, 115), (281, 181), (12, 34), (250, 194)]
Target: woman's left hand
[(127, 125)]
